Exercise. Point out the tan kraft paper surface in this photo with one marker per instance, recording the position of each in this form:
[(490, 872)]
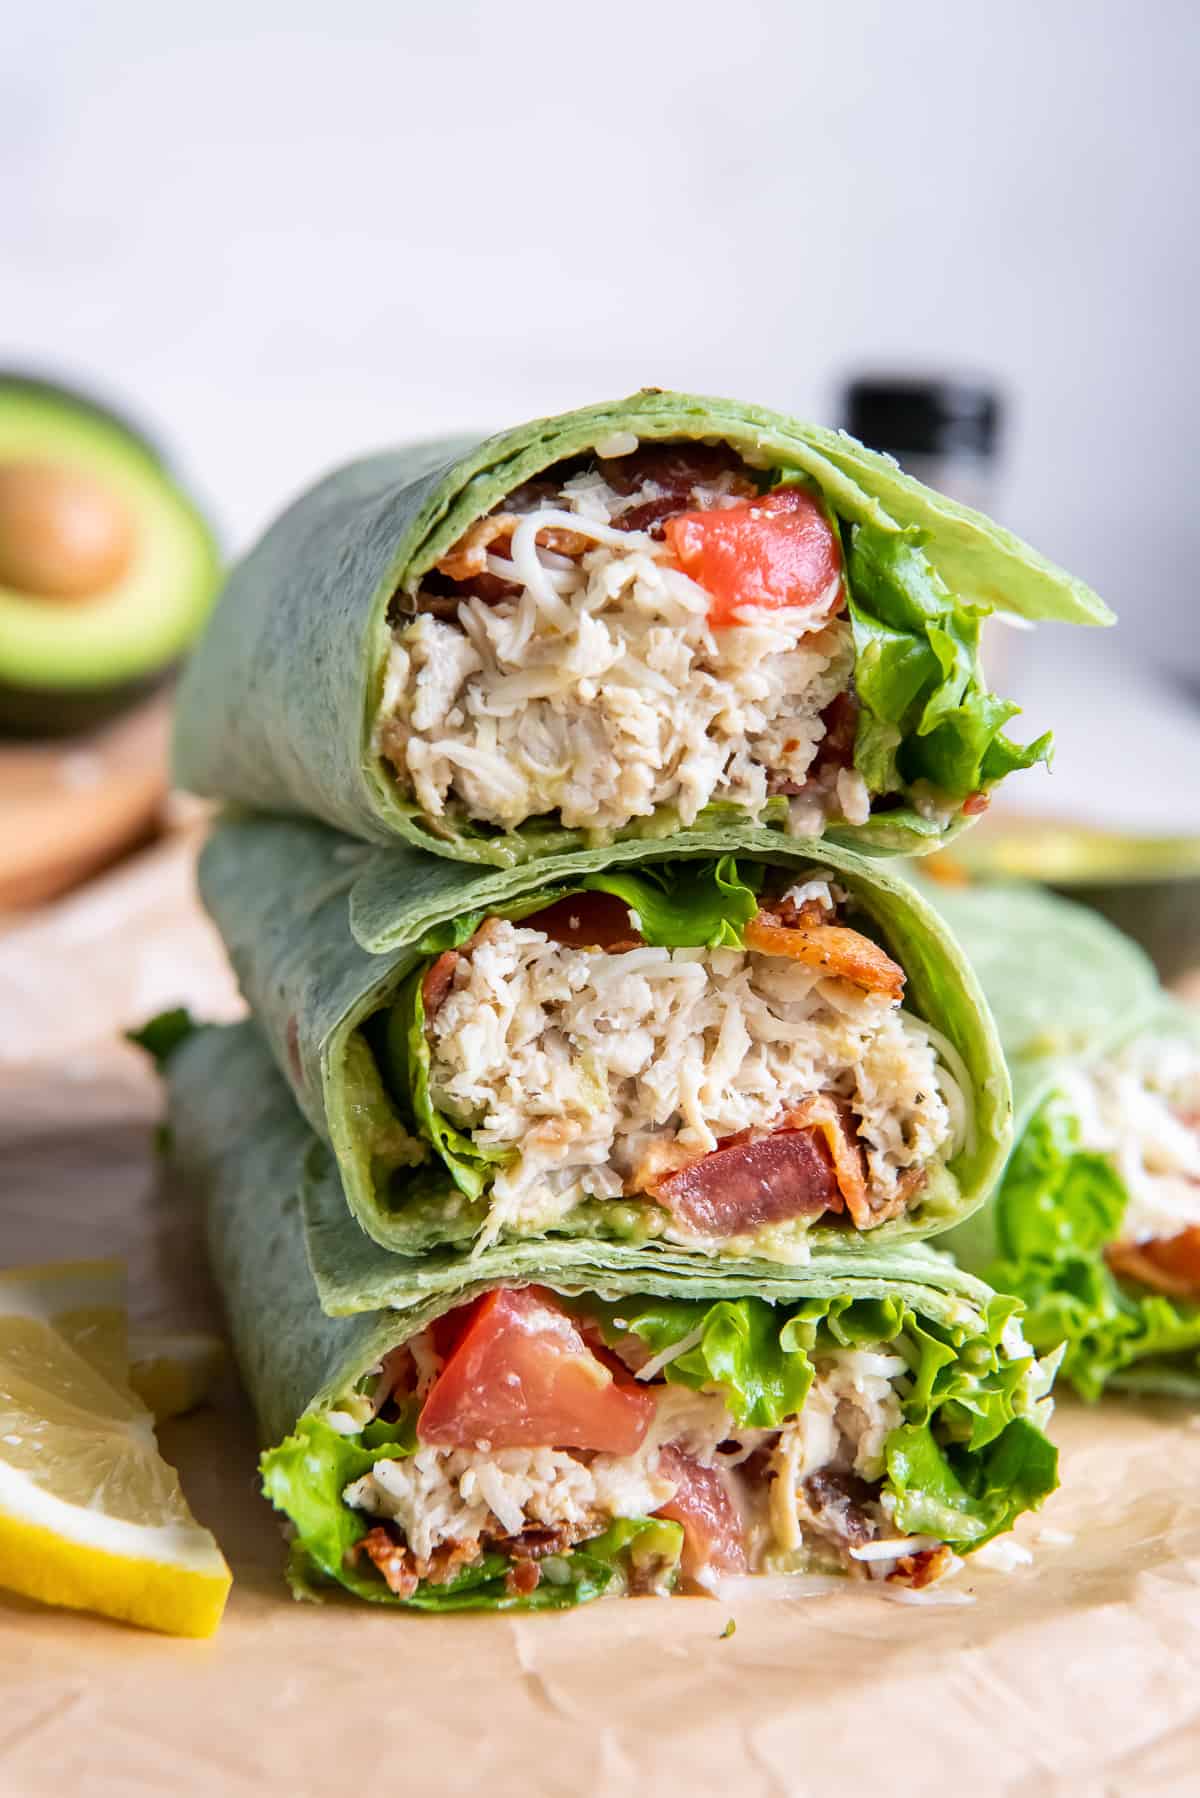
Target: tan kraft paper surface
[(1079, 1673)]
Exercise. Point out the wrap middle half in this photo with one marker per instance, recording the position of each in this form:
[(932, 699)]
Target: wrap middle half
[(732, 1044)]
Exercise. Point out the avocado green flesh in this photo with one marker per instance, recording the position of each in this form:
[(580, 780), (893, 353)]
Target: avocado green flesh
[(1071, 855), (112, 644)]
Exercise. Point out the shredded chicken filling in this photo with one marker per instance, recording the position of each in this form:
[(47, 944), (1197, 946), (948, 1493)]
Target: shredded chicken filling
[(592, 1075), (1141, 1107), (561, 662), (807, 1494)]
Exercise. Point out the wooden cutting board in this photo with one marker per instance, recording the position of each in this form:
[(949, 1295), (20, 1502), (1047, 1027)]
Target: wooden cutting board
[(68, 809)]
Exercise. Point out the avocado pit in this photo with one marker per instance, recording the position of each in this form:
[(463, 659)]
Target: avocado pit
[(63, 534)]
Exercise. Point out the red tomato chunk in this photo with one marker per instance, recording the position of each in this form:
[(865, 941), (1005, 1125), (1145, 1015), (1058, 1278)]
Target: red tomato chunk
[(779, 550), (520, 1375), (744, 1185)]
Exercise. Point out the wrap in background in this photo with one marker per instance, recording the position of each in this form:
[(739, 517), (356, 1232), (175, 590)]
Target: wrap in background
[(347, 1028), (283, 705), (1095, 1223), (372, 1426), (1148, 887)]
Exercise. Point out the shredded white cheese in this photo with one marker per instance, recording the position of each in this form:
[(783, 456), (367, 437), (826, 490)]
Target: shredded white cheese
[(599, 690), (892, 1548), (593, 1071)]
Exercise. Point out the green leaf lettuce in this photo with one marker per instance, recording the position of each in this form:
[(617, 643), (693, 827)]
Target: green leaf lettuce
[(1057, 1208)]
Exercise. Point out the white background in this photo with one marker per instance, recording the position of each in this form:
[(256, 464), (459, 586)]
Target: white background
[(287, 233)]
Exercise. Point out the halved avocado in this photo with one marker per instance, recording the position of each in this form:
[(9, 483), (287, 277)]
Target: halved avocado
[(107, 569)]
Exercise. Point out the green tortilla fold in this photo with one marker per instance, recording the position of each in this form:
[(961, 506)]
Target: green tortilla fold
[(284, 896), (276, 708), (239, 1146), (1068, 990)]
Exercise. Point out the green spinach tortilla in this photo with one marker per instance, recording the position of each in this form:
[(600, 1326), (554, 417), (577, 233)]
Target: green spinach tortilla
[(351, 1028)]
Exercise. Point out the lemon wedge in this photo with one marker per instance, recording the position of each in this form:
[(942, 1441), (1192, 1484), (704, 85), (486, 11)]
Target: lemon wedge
[(174, 1373), (91, 1516), (83, 1300), (171, 1372)]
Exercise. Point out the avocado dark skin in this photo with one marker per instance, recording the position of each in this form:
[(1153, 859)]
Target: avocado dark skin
[(29, 716)]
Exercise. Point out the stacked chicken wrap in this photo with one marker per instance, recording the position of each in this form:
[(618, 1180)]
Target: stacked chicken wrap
[(570, 1185)]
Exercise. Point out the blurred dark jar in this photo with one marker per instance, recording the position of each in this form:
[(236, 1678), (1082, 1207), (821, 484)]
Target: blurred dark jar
[(945, 432)]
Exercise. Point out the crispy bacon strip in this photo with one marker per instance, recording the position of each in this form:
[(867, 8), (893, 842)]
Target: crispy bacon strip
[(403, 1571), (439, 978), (833, 1121), (834, 948), (1169, 1264), (785, 911), (922, 1568), (389, 1558), (537, 1540), (467, 559), (673, 471)]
